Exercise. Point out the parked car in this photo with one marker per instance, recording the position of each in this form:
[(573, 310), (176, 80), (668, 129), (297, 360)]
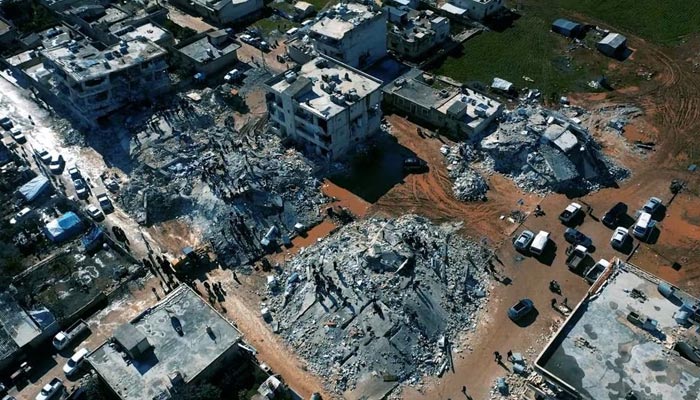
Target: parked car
[(520, 309), (575, 258), (6, 123), (570, 213), (105, 202), (652, 205), (43, 155), (613, 216), (74, 173), (111, 185), (414, 164), (17, 134), (80, 188), (95, 212), (643, 226), (74, 363), (574, 236), (539, 243), (592, 274), (232, 76), (619, 238), (20, 215), (523, 241), (57, 163), (50, 390)]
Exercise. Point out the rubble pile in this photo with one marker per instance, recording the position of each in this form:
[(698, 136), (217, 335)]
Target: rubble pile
[(544, 150), (380, 301), (243, 189), (468, 184)]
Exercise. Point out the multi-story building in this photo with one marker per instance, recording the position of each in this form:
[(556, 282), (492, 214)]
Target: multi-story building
[(479, 9), (222, 11), (353, 33), (325, 106), (93, 83), (412, 34)]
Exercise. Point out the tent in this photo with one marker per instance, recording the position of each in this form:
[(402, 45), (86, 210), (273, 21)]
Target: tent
[(64, 227), (32, 189)]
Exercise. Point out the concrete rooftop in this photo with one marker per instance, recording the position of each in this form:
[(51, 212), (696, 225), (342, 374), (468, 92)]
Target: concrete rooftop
[(203, 51), (188, 354), (601, 355), (341, 19)]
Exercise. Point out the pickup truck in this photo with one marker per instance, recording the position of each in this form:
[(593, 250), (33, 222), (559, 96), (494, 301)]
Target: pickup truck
[(575, 257), (570, 213), (594, 272), (63, 338)]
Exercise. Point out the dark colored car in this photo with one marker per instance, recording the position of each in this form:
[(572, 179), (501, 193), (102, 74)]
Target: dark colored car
[(612, 217), (523, 241), (575, 236), (414, 165), (521, 309)]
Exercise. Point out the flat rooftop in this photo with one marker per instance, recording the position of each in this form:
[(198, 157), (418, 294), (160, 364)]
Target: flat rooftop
[(16, 322), (601, 355), (189, 354), (341, 19), (148, 31), (83, 61), (203, 51), (312, 91)]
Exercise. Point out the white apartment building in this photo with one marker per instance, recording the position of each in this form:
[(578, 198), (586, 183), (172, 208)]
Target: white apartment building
[(479, 9), (222, 11), (92, 83), (353, 33), (325, 106)]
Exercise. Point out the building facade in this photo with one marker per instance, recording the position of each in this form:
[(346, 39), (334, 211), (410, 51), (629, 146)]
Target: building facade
[(324, 106), (354, 34), (93, 83)]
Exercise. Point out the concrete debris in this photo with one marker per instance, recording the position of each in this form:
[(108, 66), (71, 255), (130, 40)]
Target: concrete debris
[(468, 184), (235, 186), (544, 150), (381, 301)]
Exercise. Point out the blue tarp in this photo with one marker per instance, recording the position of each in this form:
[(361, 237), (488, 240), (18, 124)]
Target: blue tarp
[(64, 227), (32, 189), (93, 239)]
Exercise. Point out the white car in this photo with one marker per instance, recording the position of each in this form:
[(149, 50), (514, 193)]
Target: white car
[(75, 361), (619, 237), (232, 75), (21, 214), (95, 212), (50, 389), (43, 155), (18, 135), (56, 164)]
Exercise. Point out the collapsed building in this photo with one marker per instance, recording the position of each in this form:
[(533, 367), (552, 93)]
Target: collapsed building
[(458, 111), (380, 302), (91, 83), (413, 34), (325, 107)]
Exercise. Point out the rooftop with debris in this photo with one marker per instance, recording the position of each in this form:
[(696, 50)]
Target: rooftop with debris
[(342, 19), (324, 86), (82, 61), (204, 51), (417, 24), (204, 337), (604, 351), (148, 30), (17, 322)]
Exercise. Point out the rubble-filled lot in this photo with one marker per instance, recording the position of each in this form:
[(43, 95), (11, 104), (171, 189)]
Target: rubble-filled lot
[(541, 150), (380, 301), (232, 185)]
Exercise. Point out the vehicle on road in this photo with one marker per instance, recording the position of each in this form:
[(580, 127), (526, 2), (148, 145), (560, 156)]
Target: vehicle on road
[(619, 238), (414, 164), (74, 173), (613, 216), (6, 123), (64, 338), (592, 273), (50, 390), (80, 188), (232, 75), (523, 241), (570, 213), (43, 155), (20, 215), (105, 202), (652, 205), (111, 185), (643, 226), (520, 309), (95, 212), (574, 236), (575, 257), (74, 363), (17, 134), (539, 243), (57, 163)]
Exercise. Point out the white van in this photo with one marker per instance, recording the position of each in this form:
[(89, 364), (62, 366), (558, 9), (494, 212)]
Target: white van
[(75, 361), (643, 226), (539, 243)]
